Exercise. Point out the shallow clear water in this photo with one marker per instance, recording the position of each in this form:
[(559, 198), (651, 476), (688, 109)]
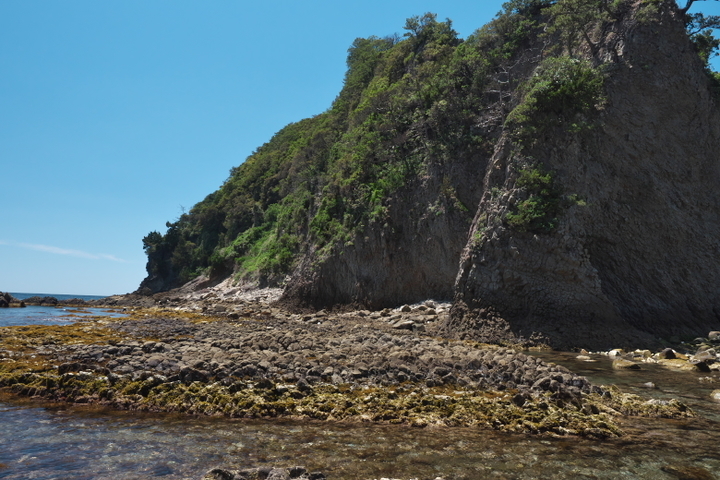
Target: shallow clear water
[(33, 315), (53, 442), (691, 388), (58, 442)]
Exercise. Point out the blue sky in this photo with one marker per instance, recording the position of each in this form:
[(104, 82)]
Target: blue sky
[(116, 116)]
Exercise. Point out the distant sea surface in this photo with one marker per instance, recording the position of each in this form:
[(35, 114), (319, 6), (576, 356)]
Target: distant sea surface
[(23, 296), (33, 315)]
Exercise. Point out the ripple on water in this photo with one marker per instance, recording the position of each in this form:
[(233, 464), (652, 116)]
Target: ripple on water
[(47, 443), (57, 442), (34, 315)]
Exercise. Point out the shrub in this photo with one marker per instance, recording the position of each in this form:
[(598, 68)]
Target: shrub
[(538, 212), (560, 89)]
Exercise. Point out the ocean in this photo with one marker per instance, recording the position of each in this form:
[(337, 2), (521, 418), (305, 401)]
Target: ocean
[(59, 296), (34, 315)]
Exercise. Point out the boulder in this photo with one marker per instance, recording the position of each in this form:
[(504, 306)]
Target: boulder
[(705, 356), (46, 301), (622, 364), (668, 354), (678, 365)]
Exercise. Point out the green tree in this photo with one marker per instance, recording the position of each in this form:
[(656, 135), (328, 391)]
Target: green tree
[(575, 20), (688, 4), (700, 29)]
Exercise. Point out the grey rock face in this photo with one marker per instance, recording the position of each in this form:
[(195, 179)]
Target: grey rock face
[(411, 258), (638, 259)]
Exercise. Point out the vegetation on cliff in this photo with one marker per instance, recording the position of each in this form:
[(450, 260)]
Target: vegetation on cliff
[(409, 108)]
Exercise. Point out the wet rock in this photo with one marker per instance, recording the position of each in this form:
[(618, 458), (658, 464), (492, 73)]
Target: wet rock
[(262, 473), (715, 395), (700, 366), (706, 356), (687, 472), (622, 364), (678, 365), (189, 375), (668, 354), (219, 474)]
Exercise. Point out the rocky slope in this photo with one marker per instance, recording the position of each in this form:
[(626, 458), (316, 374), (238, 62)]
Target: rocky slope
[(583, 146)]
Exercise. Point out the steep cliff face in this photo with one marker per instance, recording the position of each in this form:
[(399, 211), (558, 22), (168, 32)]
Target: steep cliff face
[(369, 202), (555, 173), (635, 259), (409, 256)]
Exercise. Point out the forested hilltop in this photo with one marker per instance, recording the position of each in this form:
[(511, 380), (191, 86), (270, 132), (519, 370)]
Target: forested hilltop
[(555, 170)]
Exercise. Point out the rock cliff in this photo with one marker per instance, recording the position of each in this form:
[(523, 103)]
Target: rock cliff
[(555, 173), (636, 260)]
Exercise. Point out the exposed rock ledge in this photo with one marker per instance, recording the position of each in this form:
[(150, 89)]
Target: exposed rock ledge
[(7, 300)]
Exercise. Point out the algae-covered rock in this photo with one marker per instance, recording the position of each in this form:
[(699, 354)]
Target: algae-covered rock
[(688, 472), (679, 364), (262, 473), (622, 364), (290, 368)]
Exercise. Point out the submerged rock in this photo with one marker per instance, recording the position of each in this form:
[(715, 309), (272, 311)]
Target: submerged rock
[(287, 367), (622, 364), (262, 473), (688, 472)]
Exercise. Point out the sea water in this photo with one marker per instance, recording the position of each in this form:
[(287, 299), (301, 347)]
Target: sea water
[(34, 315), (59, 296), (51, 441)]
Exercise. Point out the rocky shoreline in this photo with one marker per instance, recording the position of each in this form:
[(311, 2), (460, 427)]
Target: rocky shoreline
[(207, 354), (347, 367)]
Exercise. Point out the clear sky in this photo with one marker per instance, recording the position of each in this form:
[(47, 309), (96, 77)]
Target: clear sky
[(117, 116)]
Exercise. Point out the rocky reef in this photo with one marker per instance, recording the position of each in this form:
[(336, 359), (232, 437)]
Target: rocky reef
[(344, 367), (260, 473)]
